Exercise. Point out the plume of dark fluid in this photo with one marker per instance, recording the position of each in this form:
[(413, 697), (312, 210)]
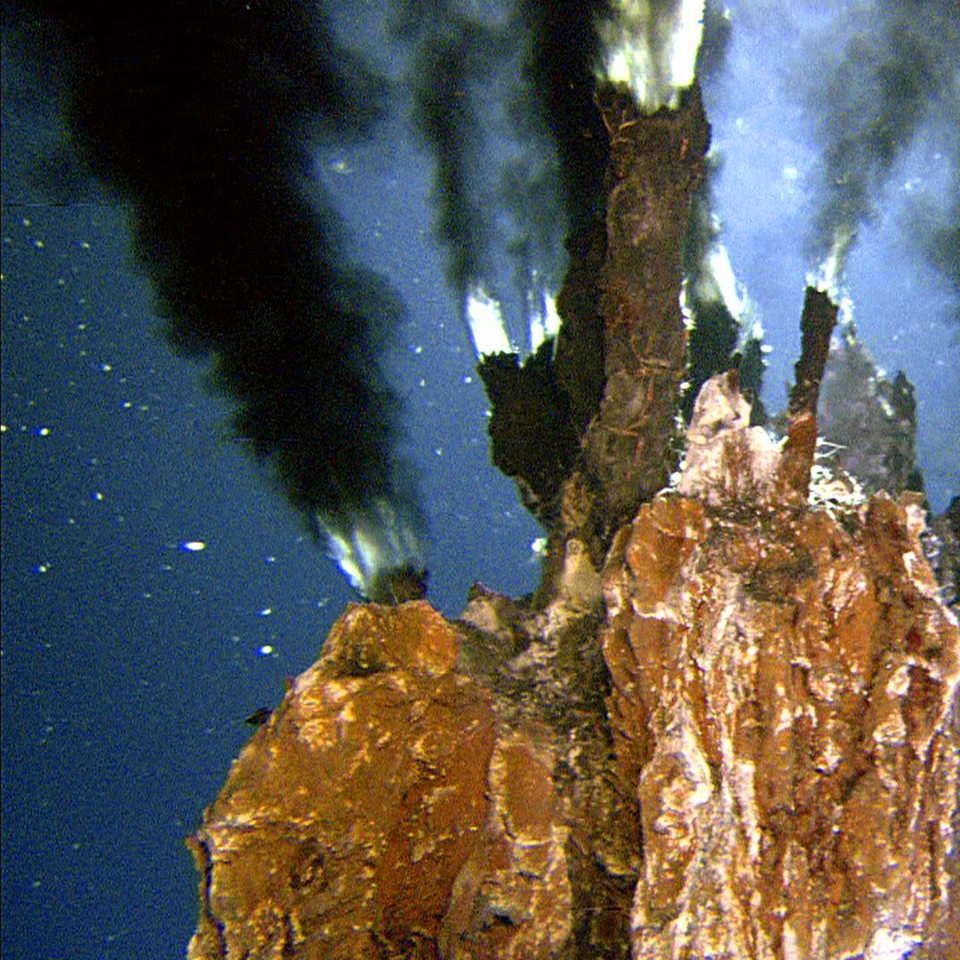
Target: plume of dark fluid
[(723, 335), (503, 102), (893, 72), (201, 115), (936, 225)]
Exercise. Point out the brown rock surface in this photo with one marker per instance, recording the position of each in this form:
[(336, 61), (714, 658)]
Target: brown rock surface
[(733, 734), (782, 679), (384, 811), (768, 771), (655, 166), (346, 820)]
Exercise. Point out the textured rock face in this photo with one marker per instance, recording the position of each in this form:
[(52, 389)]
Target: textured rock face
[(871, 418), (780, 689), (783, 679), (656, 164), (725, 727), (746, 748), (384, 812)]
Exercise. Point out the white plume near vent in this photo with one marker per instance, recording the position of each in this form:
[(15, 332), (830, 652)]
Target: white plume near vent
[(378, 539), (828, 277), (483, 314), (543, 319), (651, 47), (484, 318)]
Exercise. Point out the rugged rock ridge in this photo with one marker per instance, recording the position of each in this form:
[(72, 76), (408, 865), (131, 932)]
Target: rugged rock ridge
[(726, 726), (771, 772), (782, 683)]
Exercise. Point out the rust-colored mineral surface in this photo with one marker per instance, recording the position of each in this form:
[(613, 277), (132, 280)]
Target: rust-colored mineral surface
[(725, 727), (384, 812), (738, 740), (780, 689)]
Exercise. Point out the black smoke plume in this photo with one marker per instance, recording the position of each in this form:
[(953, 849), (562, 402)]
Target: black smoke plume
[(719, 338), (201, 115), (503, 101), (893, 74), (937, 226), (723, 333)]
